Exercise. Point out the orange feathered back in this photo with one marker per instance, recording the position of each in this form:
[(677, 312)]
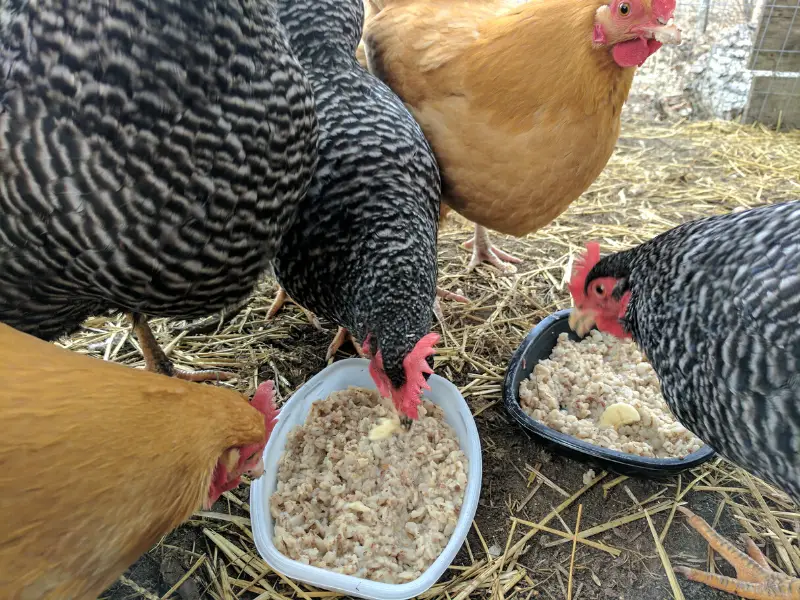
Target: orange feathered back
[(98, 461)]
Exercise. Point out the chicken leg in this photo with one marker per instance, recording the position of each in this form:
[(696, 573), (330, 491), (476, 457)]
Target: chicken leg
[(156, 361), (342, 336), (484, 251), (282, 298), (756, 580)]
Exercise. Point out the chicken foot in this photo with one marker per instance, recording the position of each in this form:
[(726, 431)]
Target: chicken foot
[(156, 361), (443, 293), (484, 251), (282, 298), (342, 336), (755, 579), (447, 295)]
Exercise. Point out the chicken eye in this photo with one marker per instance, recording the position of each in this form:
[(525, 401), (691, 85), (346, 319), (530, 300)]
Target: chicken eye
[(599, 289), (624, 9)]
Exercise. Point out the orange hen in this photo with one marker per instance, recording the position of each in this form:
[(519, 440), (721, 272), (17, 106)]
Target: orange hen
[(521, 103), (99, 461)]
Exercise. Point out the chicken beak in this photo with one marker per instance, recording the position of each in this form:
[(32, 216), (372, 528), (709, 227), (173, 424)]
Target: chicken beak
[(406, 422), (666, 34), (258, 470), (581, 321)]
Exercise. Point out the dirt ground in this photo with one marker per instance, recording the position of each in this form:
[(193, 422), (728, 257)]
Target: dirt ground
[(638, 573)]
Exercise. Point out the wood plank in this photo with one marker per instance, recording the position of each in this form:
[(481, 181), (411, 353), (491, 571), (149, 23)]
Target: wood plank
[(777, 40), (774, 98)]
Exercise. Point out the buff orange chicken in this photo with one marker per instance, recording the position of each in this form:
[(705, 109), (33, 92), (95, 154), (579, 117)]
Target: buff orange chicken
[(521, 102), (99, 461)]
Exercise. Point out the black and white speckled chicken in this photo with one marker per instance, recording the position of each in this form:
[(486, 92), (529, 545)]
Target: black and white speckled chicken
[(152, 154), (715, 307), (363, 250)]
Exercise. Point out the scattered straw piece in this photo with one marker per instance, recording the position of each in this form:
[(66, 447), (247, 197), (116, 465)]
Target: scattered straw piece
[(568, 537), (198, 563), (677, 593), (574, 548)]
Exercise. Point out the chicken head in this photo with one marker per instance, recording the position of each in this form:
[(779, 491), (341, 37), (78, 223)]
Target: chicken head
[(244, 460), (635, 29), (600, 298), (417, 366)]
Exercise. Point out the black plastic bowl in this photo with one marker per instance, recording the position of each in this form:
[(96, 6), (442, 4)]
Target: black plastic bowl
[(538, 345)]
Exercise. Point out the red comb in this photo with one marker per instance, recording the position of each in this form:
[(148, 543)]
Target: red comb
[(583, 266), (263, 401), (664, 9), (379, 377), (416, 366), (365, 346)]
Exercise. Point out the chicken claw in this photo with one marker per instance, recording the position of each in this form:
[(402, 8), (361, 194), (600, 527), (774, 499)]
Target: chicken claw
[(755, 579), (442, 293), (342, 335), (282, 298), (484, 251), (447, 295), (156, 360)]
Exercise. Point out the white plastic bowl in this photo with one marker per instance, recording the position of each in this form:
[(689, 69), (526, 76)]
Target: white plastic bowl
[(339, 376)]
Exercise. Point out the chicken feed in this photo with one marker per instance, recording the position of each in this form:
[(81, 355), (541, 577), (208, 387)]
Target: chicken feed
[(375, 507), (603, 391)]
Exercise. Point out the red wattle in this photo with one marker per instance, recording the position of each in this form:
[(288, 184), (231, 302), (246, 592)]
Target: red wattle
[(653, 45), (632, 53)]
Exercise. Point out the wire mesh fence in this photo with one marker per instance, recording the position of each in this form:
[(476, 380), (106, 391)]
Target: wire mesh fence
[(775, 92), (698, 15), (720, 68)]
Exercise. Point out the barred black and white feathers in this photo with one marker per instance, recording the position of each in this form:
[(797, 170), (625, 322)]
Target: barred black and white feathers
[(363, 250), (152, 155), (715, 306)]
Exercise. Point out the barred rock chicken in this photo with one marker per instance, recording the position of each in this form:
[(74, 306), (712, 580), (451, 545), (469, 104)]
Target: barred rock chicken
[(152, 154), (363, 250), (100, 461), (521, 102), (714, 306)]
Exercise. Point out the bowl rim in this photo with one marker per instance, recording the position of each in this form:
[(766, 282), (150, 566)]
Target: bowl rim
[(511, 400), (349, 584)]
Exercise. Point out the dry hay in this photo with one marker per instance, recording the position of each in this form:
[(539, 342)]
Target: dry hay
[(658, 178)]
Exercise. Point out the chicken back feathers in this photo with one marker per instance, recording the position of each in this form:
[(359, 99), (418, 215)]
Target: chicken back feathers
[(523, 112), (714, 306), (99, 461), (152, 153), (363, 250)]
